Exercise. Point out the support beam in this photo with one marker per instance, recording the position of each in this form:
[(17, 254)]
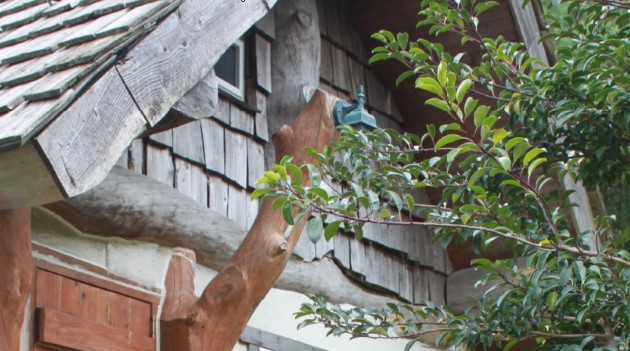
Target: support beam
[(216, 320), (16, 274), (295, 61)]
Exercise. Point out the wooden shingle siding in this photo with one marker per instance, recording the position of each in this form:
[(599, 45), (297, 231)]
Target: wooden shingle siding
[(213, 135), (218, 200), (237, 205), (326, 67), (191, 180), (266, 26), (236, 157), (400, 259), (242, 120), (165, 138), (255, 162), (136, 156), (261, 127), (263, 63), (188, 142), (160, 164)]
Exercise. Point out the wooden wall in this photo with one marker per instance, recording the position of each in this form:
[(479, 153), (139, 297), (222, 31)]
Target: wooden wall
[(401, 260), (217, 160)]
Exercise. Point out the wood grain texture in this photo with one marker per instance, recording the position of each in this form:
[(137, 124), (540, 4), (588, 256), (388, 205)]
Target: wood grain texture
[(137, 156), (78, 160), (255, 162), (267, 26), (237, 206), (236, 157), (200, 101), (227, 303), (59, 329), (263, 63), (295, 60), (192, 181), (218, 201), (25, 180), (160, 164), (170, 60), (16, 274), (213, 135), (188, 142), (261, 130), (136, 207)]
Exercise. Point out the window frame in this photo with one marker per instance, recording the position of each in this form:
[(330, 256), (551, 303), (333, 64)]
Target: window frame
[(235, 91)]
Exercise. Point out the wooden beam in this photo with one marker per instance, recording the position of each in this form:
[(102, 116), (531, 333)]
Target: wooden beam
[(183, 48), (24, 179), (216, 320), (58, 329), (16, 274), (295, 61), (78, 159)]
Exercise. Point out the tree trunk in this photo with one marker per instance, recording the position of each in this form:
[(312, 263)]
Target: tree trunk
[(16, 274), (216, 320)]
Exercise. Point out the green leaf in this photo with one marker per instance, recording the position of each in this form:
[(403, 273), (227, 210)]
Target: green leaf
[(296, 173), (480, 115), (314, 229), (439, 103), (475, 176), (513, 142), (442, 74), (463, 89), (535, 165), (447, 139), (319, 192), (259, 192), (403, 39), (505, 163), (403, 76), (397, 200), (331, 229), (470, 105), (531, 155), (382, 56), (282, 172), (499, 135), (411, 202), (429, 84), (316, 176), (384, 214), (484, 6), (511, 182), (287, 212)]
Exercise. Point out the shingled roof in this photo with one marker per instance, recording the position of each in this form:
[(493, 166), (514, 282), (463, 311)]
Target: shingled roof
[(50, 50)]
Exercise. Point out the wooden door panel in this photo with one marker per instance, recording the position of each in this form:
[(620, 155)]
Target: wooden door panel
[(71, 314)]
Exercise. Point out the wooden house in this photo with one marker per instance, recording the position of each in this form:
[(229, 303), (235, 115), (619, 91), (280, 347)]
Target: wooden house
[(129, 128)]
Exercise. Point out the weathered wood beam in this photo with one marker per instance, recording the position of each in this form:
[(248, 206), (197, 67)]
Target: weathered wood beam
[(139, 92), (183, 48), (24, 179), (295, 61), (135, 207), (16, 274)]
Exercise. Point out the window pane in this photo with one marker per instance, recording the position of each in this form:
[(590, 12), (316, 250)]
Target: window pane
[(227, 67)]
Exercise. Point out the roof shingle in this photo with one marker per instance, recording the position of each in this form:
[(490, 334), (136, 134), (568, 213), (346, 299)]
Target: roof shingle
[(50, 49)]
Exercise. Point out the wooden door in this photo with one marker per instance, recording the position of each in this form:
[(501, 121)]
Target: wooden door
[(75, 315)]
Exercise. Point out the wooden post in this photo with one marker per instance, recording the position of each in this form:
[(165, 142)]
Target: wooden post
[(216, 320), (16, 274)]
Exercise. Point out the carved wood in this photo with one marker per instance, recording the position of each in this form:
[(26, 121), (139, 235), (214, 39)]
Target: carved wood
[(295, 61), (16, 274), (218, 317)]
